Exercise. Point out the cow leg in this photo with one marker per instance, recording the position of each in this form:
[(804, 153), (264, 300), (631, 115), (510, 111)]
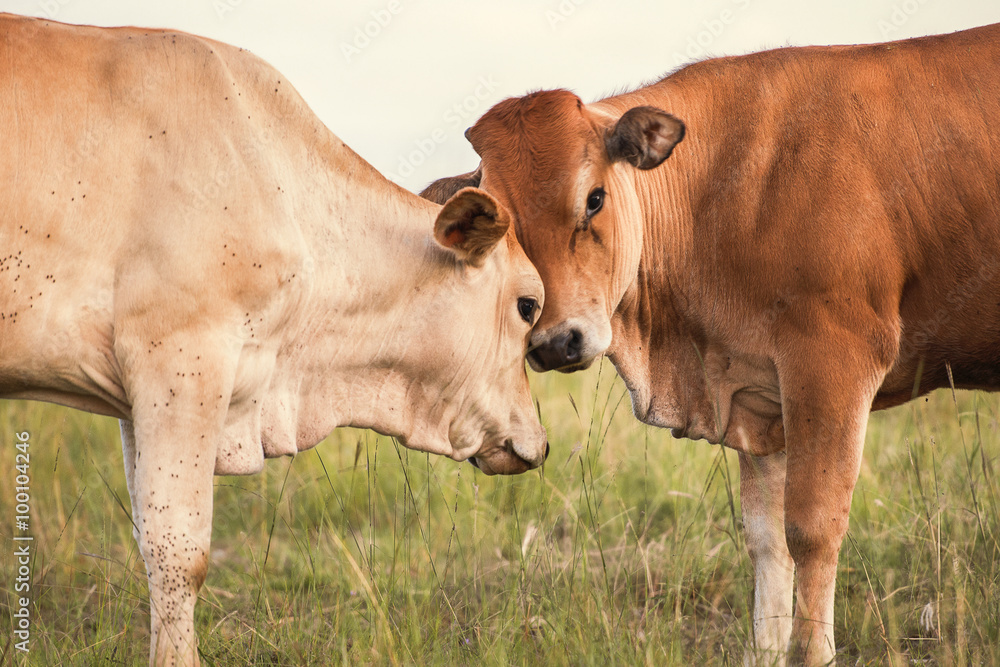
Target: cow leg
[(169, 450), (762, 497), (825, 413), (128, 454)]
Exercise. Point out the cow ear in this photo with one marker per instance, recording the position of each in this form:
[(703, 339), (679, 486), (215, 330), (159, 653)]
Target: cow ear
[(442, 189), (644, 137), (470, 224)]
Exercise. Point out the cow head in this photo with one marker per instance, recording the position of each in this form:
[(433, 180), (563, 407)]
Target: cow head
[(481, 327), (566, 174)]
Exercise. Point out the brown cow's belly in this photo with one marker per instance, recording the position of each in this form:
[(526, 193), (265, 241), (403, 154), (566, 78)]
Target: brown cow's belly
[(905, 384), (963, 351), (950, 319)]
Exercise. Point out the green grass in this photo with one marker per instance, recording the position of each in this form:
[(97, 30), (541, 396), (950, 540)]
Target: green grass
[(625, 550)]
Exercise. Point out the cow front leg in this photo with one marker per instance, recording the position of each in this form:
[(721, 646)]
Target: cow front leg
[(169, 451), (825, 415), (762, 496)]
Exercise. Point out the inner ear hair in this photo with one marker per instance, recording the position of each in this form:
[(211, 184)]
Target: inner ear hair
[(470, 227), (471, 224), (644, 137)]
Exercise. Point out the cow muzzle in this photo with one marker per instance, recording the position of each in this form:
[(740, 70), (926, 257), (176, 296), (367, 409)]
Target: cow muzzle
[(571, 345), (560, 353), (511, 459)]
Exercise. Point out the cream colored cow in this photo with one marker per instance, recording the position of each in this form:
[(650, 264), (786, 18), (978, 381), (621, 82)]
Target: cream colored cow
[(184, 246)]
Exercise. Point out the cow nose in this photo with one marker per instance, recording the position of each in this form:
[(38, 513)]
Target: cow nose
[(559, 352)]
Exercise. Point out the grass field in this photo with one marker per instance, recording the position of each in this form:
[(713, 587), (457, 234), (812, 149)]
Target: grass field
[(625, 550)]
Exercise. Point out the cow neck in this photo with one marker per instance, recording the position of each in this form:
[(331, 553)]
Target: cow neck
[(376, 270), (656, 324)]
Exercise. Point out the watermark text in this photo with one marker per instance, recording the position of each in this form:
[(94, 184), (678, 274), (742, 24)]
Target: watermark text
[(363, 35), (22, 542), (901, 13), (460, 113), (699, 43)]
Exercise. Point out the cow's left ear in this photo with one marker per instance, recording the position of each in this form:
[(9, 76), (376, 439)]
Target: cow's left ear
[(471, 224), (644, 137)]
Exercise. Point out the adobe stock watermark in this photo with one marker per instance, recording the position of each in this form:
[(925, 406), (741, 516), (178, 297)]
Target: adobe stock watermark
[(713, 28), (223, 7), (901, 13), (460, 113), (21, 614), (562, 12), (51, 7), (364, 34)]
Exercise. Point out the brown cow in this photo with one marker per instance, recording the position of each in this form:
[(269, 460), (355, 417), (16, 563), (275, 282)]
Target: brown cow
[(824, 242)]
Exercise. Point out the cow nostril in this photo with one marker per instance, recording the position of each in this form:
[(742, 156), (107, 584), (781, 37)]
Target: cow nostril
[(472, 460), (561, 352), (573, 342), (546, 449)]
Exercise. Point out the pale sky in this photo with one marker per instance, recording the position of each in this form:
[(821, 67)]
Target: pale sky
[(400, 80)]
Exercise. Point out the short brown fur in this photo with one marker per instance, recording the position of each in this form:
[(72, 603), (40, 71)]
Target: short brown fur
[(823, 242)]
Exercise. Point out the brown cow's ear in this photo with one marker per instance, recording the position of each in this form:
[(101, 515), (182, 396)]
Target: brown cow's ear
[(471, 224), (644, 137), (442, 189)]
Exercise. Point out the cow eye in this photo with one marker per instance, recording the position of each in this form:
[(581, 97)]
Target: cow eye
[(526, 308), (595, 200)]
